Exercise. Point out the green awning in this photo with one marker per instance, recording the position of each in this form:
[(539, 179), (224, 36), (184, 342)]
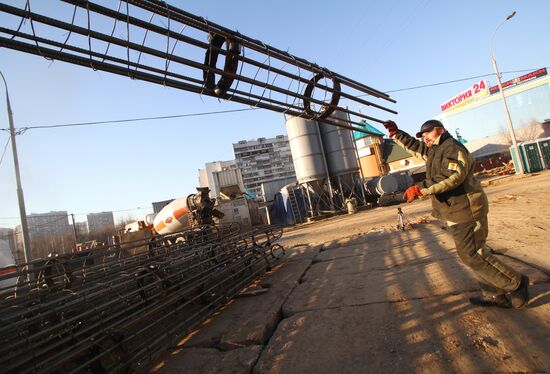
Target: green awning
[(367, 127)]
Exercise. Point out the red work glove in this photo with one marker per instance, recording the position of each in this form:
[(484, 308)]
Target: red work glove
[(412, 193), (391, 127)]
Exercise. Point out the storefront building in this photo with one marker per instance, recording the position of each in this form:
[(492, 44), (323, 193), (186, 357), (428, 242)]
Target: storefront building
[(478, 112)]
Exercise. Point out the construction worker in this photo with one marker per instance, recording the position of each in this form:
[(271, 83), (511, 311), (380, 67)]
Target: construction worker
[(459, 200)]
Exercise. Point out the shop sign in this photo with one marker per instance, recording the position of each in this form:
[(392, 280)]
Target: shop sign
[(519, 80), (472, 94)]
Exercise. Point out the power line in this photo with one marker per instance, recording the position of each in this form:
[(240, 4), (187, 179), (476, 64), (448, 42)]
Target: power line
[(132, 119), (456, 80), (344, 41), (406, 23), (36, 227), (78, 214), (442, 83), (23, 129), (3, 153), (40, 216)]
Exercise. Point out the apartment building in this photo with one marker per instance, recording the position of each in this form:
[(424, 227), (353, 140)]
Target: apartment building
[(100, 221), (263, 160), (54, 224)]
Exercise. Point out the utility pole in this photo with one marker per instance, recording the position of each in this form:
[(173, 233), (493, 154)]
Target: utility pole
[(74, 232), (20, 198), (519, 166)]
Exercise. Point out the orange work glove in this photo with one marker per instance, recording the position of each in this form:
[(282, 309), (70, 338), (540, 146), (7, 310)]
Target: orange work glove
[(412, 193), (391, 127)]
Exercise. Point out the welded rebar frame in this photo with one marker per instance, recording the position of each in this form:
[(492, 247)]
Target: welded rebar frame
[(120, 309), (153, 41)]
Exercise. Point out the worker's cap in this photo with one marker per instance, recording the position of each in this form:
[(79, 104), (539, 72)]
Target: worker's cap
[(429, 126)]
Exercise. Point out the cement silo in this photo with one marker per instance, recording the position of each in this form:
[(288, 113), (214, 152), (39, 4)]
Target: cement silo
[(341, 157), (307, 149), (310, 165), (339, 146)]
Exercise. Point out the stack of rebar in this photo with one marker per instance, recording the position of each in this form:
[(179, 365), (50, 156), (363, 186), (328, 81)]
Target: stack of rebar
[(110, 311)]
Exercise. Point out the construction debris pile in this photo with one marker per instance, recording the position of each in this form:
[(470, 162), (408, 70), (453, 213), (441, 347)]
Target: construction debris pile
[(505, 169), (111, 309)]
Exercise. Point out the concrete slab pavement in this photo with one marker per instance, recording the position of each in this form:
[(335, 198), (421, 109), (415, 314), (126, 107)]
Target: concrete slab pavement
[(379, 286), (363, 254), (441, 334), (250, 320), (399, 266), (243, 325), (210, 361)]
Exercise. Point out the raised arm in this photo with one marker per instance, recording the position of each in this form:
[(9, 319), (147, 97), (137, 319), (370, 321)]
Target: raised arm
[(414, 146)]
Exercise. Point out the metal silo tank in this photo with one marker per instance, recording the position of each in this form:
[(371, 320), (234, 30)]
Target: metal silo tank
[(306, 149), (338, 145)]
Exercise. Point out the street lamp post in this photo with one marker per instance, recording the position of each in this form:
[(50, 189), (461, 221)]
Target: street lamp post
[(22, 211), (519, 166)]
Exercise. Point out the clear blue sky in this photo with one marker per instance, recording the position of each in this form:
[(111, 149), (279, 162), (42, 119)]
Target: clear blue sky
[(385, 44)]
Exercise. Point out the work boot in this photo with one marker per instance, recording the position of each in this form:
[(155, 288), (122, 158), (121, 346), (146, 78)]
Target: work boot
[(497, 300), (519, 297)]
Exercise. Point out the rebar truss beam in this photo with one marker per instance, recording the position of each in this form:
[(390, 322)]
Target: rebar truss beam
[(153, 41)]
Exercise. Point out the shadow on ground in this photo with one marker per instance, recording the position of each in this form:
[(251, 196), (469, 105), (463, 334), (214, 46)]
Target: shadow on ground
[(399, 303), (384, 302)]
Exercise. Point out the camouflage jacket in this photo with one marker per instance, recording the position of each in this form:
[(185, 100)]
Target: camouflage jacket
[(457, 195)]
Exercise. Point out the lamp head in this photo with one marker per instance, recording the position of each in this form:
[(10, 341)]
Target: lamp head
[(511, 15)]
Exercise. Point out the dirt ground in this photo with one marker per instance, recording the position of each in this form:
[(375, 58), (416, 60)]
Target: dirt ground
[(519, 218), (355, 295)]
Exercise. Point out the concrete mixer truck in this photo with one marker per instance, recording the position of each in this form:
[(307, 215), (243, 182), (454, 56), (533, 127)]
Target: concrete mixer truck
[(194, 211)]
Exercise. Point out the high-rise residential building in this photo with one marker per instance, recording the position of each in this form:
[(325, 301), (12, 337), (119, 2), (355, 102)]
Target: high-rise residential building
[(100, 221), (263, 160), (49, 233), (206, 177), (54, 224)]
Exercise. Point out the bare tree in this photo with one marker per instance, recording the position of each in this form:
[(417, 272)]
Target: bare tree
[(43, 245), (531, 131), (505, 135)]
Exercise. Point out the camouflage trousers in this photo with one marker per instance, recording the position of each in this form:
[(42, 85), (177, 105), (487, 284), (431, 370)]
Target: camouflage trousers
[(494, 276)]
